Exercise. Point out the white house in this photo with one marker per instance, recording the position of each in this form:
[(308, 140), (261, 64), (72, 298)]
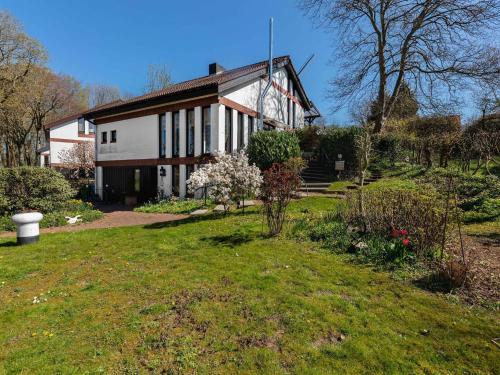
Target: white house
[(150, 144), (61, 135)]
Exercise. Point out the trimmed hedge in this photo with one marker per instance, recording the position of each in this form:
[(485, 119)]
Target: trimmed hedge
[(32, 188), (336, 141), (266, 148)]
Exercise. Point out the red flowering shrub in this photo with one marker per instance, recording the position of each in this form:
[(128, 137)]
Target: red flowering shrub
[(280, 183)]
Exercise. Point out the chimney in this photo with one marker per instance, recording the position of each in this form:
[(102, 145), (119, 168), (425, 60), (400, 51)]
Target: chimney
[(215, 68)]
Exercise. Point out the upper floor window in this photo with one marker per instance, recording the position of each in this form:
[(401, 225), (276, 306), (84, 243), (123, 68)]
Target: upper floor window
[(91, 128), (241, 131), (104, 137), (113, 136), (81, 125), (251, 124), (228, 130), (162, 125), (294, 115), (206, 129), (190, 132), (175, 133)]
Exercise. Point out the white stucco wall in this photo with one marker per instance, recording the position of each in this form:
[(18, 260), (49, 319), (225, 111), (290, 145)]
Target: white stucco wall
[(136, 138), (275, 103), (65, 131)]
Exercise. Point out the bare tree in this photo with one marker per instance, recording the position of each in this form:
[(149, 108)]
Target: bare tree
[(19, 53), (158, 78), (433, 45), (103, 94)]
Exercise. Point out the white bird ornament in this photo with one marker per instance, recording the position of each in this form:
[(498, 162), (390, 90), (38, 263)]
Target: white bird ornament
[(73, 220)]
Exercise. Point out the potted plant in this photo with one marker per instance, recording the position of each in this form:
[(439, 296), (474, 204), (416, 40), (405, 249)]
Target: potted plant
[(28, 226)]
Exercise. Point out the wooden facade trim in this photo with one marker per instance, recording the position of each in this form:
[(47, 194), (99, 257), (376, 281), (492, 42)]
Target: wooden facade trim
[(188, 160), (66, 140), (287, 93), (237, 106), (200, 102), (83, 135)]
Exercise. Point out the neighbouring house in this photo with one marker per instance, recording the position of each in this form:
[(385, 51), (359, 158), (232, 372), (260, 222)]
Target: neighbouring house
[(61, 135), (149, 145)]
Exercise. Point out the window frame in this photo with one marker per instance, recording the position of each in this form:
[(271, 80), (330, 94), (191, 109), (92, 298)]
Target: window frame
[(240, 131), (81, 121), (203, 130), (188, 127), (104, 137), (112, 136), (175, 139), (228, 121), (162, 143)]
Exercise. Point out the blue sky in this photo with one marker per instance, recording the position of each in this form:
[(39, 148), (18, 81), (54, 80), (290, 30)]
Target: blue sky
[(112, 42)]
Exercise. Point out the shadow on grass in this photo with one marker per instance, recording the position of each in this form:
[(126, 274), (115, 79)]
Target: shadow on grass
[(231, 240), (197, 219), (8, 244), (434, 282)]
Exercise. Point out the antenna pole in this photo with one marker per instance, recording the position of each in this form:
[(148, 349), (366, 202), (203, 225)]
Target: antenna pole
[(270, 80), (305, 64)]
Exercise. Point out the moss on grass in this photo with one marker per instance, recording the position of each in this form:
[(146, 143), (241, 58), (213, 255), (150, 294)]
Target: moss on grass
[(213, 295)]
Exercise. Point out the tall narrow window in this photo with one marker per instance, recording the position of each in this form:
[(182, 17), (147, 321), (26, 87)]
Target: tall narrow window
[(91, 128), (250, 126), (175, 134), (241, 131), (190, 132), (137, 180), (175, 180), (229, 130), (294, 114), (162, 125), (206, 128), (113, 136), (81, 125), (104, 137)]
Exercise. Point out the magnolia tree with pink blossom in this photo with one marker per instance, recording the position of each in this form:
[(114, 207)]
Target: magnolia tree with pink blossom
[(228, 179)]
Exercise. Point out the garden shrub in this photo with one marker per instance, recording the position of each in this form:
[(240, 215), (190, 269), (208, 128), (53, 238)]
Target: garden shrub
[(57, 218), (477, 195), (336, 141), (32, 188), (278, 187), (332, 233), (266, 148), (384, 211)]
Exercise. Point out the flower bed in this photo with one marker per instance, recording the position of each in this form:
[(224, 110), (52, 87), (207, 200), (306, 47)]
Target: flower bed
[(57, 218)]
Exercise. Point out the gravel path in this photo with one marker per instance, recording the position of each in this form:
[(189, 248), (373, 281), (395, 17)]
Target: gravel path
[(115, 217)]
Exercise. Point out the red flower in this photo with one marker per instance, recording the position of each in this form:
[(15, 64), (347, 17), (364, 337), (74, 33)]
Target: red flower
[(394, 233), (404, 232), (406, 241)]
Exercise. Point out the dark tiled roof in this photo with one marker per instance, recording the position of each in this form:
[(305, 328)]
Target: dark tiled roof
[(177, 88), (79, 114), (197, 83)]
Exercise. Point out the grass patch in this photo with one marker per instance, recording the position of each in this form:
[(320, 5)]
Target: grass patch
[(340, 185), (171, 206), (212, 294)]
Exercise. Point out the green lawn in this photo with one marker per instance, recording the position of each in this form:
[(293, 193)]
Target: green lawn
[(212, 295)]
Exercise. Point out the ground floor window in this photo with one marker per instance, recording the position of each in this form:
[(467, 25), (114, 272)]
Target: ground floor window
[(175, 180)]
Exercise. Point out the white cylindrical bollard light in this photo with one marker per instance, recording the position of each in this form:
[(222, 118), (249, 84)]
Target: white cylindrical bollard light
[(28, 227)]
